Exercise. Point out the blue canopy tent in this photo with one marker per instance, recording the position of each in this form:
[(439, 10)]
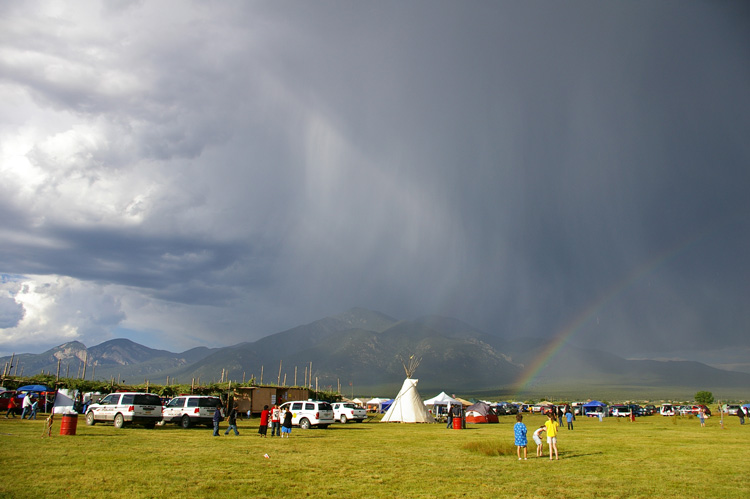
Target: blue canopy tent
[(386, 405), (32, 388), (594, 408)]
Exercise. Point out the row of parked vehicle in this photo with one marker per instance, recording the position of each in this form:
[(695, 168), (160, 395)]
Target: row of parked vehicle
[(146, 409)]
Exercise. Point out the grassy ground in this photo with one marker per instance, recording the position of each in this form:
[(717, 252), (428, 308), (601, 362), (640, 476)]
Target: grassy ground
[(655, 456)]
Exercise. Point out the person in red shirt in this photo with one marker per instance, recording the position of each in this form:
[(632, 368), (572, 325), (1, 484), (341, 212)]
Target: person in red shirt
[(12, 404), (263, 428)]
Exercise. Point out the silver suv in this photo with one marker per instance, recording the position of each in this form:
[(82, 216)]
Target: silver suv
[(308, 413), (125, 408), (188, 410)]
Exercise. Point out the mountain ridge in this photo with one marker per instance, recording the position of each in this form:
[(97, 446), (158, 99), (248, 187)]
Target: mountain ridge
[(364, 349)]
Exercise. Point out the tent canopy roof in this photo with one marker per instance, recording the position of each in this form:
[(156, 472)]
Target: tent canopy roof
[(441, 399)]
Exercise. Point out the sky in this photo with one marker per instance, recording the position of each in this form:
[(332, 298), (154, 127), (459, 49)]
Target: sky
[(205, 173)]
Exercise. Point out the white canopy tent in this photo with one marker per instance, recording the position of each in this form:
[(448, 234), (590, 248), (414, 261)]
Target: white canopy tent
[(442, 399), (408, 407)]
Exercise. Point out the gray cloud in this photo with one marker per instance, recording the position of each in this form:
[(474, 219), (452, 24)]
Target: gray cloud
[(255, 166)]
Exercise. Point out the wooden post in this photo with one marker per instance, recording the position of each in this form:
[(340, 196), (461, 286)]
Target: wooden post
[(57, 377), (311, 375), (295, 375), (261, 375), (85, 362), (278, 379), (284, 379)]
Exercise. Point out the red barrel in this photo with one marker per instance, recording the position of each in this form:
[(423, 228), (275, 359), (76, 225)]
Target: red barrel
[(457, 423), (68, 424)]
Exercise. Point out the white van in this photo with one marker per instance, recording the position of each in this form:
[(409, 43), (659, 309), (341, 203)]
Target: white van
[(125, 408), (667, 410), (189, 410), (308, 413)]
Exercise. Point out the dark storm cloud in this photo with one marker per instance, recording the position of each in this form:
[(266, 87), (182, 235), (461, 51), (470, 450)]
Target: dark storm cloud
[(509, 164)]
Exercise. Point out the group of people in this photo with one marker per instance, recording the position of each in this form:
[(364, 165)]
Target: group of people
[(29, 407), (281, 421), (550, 426)]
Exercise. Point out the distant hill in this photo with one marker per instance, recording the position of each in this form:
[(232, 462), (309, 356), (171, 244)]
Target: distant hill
[(362, 350)]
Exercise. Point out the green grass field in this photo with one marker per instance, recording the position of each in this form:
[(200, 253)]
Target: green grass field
[(655, 456)]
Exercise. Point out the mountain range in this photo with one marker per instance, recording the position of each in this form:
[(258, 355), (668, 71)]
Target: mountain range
[(365, 352)]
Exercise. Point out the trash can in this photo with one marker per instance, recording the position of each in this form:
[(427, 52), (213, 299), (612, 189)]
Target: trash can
[(458, 423), (68, 424)]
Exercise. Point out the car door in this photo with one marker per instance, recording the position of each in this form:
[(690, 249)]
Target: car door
[(173, 409), (107, 406)]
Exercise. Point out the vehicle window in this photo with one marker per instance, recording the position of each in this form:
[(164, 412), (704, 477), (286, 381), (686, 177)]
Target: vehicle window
[(146, 399), (350, 406), (209, 402), (178, 402), (109, 400), (309, 406), (127, 399), (325, 406), (297, 406), (193, 402)]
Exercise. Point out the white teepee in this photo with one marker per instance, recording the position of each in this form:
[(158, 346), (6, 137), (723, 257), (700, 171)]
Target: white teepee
[(408, 407)]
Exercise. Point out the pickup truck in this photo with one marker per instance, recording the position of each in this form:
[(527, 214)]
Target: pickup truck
[(347, 411)]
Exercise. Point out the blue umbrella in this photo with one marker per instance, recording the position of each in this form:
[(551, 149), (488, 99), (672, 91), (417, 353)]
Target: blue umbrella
[(32, 388)]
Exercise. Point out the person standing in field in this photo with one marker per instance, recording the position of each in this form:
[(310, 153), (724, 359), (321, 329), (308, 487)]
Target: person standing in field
[(702, 416), (34, 407), (275, 419), (519, 430), (217, 419), (741, 415), (552, 426), (538, 441), (569, 418), (232, 420), (263, 428), (12, 405), (286, 426)]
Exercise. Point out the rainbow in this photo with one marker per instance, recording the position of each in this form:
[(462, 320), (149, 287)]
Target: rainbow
[(560, 338)]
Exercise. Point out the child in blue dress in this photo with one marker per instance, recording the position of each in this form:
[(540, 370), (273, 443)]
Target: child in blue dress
[(519, 430)]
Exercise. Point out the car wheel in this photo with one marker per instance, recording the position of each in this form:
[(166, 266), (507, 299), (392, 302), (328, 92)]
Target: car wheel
[(90, 419), (185, 421), (304, 423), (343, 419), (119, 421)]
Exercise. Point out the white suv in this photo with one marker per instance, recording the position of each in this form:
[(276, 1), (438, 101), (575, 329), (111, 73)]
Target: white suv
[(307, 413), (188, 410), (127, 407), (347, 411)]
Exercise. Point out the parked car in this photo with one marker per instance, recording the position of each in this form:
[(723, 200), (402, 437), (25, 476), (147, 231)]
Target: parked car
[(189, 410), (125, 408), (649, 410), (621, 411), (348, 411), (309, 413), (731, 409), (667, 410)]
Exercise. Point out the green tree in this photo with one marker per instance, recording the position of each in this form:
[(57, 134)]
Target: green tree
[(704, 397)]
